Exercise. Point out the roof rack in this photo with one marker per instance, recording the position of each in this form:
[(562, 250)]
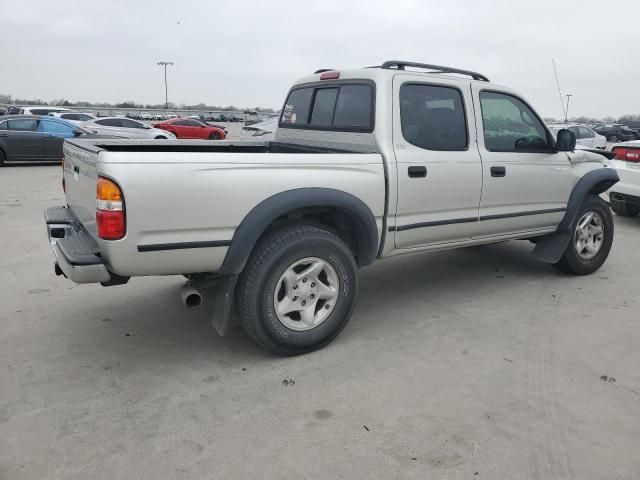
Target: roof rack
[(400, 65)]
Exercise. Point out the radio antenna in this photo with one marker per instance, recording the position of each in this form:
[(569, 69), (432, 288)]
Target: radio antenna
[(564, 112)]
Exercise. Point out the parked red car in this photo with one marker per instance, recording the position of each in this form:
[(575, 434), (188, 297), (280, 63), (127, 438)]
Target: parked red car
[(190, 128)]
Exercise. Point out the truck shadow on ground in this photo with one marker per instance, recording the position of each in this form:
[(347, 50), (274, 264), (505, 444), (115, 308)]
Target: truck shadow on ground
[(155, 327)]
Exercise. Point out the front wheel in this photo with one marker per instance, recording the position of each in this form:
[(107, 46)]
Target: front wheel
[(298, 290), (215, 136), (591, 238), (2, 158)]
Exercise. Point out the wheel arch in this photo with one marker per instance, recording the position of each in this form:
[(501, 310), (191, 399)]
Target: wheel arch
[(267, 213), (551, 247)]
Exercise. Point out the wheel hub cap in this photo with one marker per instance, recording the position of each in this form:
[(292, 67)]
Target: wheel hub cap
[(306, 294), (589, 235)]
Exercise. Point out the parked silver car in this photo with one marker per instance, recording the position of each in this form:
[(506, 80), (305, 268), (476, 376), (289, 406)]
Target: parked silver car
[(265, 129), (585, 136), (125, 127)]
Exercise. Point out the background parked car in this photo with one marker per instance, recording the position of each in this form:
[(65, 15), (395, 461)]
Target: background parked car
[(31, 138), (145, 116), (73, 117), (190, 128), (616, 133), (585, 136), (125, 128), (263, 130), (41, 110), (624, 196)]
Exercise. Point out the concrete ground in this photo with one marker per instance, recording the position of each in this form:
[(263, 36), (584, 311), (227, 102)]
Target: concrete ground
[(476, 363)]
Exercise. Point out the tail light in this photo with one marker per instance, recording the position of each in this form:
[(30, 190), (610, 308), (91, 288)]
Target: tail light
[(64, 185), (110, 214), (627, 154)]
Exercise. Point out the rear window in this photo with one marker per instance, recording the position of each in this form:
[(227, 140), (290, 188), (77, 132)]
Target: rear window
[(344, 107), (323, 106), (296, 108)]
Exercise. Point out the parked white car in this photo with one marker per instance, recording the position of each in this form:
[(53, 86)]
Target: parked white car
[(126, 128), (585, 136), (146, 116), (73, 117), (41, 110), (265, 130), (625, 195)]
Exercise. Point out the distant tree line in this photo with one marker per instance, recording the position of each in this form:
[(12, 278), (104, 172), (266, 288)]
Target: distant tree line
[(631, 120), (8, 100)]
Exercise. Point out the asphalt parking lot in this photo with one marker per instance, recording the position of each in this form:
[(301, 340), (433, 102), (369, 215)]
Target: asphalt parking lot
[(475, 363)]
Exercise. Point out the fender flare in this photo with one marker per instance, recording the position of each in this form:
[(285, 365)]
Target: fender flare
[(551, 247), (256, 222)]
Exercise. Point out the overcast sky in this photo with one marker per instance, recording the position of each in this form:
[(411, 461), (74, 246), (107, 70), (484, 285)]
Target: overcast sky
[(247, 53)]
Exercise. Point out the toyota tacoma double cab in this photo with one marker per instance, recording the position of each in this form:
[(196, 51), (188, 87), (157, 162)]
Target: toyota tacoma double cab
[(368, 163)]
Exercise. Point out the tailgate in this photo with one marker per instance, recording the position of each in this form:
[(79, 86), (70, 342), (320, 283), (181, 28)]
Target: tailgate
[(81, 176)]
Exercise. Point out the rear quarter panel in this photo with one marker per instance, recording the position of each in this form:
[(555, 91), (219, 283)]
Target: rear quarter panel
[(195, 197)]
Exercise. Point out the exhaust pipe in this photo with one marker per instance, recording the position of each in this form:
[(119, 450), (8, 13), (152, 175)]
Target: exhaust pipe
[(191, 297)]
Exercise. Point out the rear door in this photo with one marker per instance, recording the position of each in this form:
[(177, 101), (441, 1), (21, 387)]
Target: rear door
[(22, 140), (439, 169), (526, 183)]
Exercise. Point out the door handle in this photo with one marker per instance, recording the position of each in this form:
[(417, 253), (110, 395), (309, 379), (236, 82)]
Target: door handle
[(417, 172), (4, 134), (498, 171)]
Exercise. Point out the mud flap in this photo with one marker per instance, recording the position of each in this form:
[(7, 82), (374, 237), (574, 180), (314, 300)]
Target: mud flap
[(550, 248), (217, 294)]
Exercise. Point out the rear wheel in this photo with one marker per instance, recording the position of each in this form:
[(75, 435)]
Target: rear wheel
[(298, 290), (161, 137), (3, 158), (591, 238), (215, 136)]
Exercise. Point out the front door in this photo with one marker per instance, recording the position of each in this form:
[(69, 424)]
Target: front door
[(438, 166), (525, 183)]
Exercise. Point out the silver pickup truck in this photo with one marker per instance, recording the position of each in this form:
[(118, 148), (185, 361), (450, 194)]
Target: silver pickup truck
[(366, 163)]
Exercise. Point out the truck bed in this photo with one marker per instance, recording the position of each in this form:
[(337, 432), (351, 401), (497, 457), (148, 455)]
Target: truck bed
[(184, 199)]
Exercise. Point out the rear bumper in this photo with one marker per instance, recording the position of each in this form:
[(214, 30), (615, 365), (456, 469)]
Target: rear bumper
[(76, 253), (632, 200)]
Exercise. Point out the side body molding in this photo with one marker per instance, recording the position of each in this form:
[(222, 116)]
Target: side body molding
[(263, 214), (551, 247)]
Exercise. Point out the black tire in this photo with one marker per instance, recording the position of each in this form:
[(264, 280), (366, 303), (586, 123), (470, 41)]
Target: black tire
[(3, 158), (624, 209), (572, 262), (215, 136), (161, 137), (257, 288)]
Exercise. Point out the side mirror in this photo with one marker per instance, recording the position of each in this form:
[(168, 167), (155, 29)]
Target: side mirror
[(77, 132), (566, 141)]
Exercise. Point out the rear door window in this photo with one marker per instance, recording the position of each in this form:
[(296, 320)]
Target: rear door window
[(433, 117), (109, 122), (55, 128), (586, 132), (126, 123)]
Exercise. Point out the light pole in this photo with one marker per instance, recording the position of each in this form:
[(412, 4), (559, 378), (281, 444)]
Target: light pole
[(166, 95), (566, 112)]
